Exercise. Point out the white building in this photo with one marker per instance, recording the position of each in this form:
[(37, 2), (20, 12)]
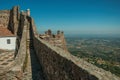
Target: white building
[(7, 39)]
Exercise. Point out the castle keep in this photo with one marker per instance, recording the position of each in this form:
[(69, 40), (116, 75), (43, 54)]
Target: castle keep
[(35, 58)]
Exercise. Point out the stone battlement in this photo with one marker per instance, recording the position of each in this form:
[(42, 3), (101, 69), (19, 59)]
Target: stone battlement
[(59, 63), (57, 40)]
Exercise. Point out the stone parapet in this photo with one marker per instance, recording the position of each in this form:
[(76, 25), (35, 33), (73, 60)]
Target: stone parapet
[(58, 63), (61, 65)]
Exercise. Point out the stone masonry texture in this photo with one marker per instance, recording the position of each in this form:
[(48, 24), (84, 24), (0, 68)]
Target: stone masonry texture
[(53, 62)]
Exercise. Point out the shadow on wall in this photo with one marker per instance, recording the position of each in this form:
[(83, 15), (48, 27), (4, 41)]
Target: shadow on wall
[(58, 67), (37, 71)]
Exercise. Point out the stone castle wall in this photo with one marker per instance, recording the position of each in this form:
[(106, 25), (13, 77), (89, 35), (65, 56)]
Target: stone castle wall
[(17, 23), (16, 72), (58, 67), (56, 62), (10, 19), (57, 40), (4, 18), (14, 19), (61, 65)]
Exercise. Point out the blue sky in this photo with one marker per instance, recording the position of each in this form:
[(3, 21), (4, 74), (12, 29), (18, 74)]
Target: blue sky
[(72, 16)]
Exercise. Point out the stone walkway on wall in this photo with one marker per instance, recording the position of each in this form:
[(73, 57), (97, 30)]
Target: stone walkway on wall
[(34, 71), (37, 73), (36, 68), (6, 60)]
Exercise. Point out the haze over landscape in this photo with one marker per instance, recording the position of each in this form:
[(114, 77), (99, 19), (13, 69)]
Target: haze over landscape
[(91, 17), (74, 39)]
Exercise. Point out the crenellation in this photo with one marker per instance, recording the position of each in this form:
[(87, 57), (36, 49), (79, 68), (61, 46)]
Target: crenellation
[(28, 12), (54, 39)]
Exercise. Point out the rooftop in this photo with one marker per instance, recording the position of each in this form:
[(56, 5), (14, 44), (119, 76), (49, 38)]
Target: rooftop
[(4, 32)]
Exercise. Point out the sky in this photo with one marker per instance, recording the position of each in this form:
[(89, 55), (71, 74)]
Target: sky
[(72, 16)]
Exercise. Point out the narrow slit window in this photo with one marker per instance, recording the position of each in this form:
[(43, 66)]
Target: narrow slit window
[(8, 41)]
